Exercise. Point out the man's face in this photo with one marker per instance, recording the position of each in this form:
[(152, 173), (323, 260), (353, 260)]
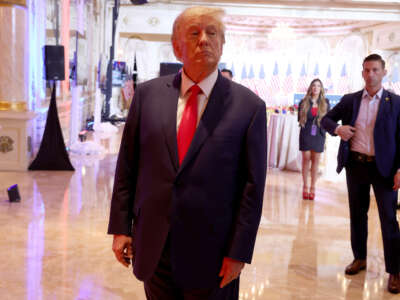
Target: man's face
[(373, 73), (199, 43)]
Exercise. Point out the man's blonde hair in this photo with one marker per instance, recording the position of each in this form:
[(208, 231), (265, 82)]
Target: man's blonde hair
[(215, 13)]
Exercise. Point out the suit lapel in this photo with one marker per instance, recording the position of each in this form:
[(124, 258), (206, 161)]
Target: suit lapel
[(169, 118), (356, 107), (210, 118), (383, 104)]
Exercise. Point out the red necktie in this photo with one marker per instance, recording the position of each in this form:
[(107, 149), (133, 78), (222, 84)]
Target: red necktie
[(187, 127)]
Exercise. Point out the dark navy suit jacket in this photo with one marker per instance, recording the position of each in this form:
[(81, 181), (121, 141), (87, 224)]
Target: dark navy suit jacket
[(386, 131), (210, 206)]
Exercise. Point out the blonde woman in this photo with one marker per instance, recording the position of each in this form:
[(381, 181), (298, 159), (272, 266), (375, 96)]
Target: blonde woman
[(312, 136)]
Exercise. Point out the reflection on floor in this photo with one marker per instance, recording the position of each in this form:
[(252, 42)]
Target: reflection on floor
[(54, 246)]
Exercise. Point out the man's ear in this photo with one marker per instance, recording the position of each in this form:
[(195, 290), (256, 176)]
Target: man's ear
[(384, 72), (177, 49)]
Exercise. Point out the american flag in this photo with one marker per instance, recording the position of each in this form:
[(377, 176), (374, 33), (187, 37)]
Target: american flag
[(244, 73), (261, 85), (343, 84), (261, 75), (302, 81), (243, 78), (385, 82), (316, 70), (275, 83), (251, 73), (329, 82), (396, 81), (251, 84), (288, 82)]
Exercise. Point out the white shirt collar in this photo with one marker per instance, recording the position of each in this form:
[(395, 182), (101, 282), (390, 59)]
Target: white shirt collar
[(206, 85), (378, 95)]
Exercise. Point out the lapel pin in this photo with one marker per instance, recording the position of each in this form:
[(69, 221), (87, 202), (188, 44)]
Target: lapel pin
[(387, 99)]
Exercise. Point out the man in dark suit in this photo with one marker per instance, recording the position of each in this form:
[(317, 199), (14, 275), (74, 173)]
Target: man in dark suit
[(370, 152), (190, 175)]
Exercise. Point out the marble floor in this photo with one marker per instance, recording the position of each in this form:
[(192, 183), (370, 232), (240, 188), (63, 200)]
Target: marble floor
[(54, 243)]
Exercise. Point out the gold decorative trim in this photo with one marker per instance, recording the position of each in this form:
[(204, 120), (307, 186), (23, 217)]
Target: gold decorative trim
[(18, 106), (147, 36), (153, 21), (5, 105), (13, 2), (6, 144)]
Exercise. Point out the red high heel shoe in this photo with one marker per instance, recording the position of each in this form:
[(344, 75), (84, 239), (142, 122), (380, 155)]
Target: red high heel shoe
[(306, 195), (311, 196)]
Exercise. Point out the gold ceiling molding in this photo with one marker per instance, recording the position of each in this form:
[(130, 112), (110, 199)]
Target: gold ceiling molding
[(50, 33), (300, 26), (153, 37), (13, 2), (18, 106)]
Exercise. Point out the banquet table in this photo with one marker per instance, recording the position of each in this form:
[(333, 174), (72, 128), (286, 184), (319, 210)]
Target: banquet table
[(283, 142)]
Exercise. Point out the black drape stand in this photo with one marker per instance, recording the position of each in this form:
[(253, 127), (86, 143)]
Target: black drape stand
[(52, 153)]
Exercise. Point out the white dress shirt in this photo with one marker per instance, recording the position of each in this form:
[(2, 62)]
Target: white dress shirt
[(206, 85), (363, 139)]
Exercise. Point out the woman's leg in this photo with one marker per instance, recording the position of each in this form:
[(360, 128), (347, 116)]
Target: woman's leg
[(315, 156), (305, 170)]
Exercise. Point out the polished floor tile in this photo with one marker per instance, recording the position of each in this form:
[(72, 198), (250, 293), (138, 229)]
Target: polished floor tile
[(54, 243)]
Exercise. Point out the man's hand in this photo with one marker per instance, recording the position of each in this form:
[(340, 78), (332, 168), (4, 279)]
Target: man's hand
[(346, 132), (122, 248), (396, 181), (230, 270)]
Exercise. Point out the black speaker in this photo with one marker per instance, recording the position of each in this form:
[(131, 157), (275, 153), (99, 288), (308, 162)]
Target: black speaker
[(54, 62), (169, 68), (13, 193)]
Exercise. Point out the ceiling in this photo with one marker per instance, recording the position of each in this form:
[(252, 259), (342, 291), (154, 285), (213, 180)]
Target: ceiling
[(349, 4), (303, 17)]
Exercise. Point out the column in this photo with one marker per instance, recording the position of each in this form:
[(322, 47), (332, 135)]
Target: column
[(14, 82), (14, 61)]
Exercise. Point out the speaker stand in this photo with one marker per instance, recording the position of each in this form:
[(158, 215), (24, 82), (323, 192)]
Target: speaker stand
[(52, 154)]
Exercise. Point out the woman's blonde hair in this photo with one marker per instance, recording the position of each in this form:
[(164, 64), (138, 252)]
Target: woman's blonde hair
[(306, 103)]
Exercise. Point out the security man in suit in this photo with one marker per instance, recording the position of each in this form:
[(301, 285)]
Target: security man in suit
[(370, 152)]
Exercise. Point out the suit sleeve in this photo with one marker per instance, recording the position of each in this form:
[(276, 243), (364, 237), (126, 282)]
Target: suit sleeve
[(329, 121), (398, 142), (121, 212), (250, 206)]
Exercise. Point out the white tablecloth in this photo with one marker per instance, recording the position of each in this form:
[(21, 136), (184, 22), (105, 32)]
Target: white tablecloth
[(283, 142)]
